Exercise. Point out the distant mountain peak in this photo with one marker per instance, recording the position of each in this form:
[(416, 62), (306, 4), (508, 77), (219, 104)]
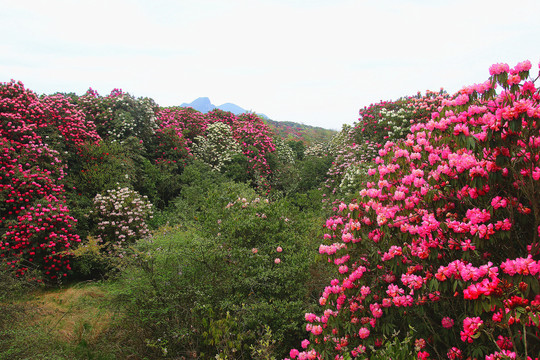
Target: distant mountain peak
[(235, 109), (204, 105), (201, 104)]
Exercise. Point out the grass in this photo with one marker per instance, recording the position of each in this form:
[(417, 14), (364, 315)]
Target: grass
[(75, 322)]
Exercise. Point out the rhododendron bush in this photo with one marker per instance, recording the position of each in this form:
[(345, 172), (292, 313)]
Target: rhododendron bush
[(218, 147), (37, 229), (444, 236), (121, 216), (119, 115)]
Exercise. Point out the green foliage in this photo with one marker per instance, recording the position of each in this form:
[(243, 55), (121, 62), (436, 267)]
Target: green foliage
[(291, 131), (313, 171), (244, 262), (298, 148), (237, 169), (225, 335), (265, 346), (395, 348), (102, 166), (92, 261)]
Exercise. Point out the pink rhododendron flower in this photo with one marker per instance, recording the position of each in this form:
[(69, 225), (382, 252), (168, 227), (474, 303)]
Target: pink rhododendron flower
[(447, 322), (363, 333)]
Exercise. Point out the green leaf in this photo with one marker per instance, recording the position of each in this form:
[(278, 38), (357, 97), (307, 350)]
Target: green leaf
[(515, 125), (471, 143), (535, 320), (535, 287)]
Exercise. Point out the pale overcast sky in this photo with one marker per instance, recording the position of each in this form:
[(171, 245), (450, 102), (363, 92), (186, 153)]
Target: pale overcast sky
[(309, 61)]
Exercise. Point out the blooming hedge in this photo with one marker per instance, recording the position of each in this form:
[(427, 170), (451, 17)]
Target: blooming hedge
[(445, 235), (36, 227)]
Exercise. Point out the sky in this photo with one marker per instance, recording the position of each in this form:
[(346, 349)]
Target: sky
[(313, 62)]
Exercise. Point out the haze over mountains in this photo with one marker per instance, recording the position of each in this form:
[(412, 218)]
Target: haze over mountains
[(204, 105)]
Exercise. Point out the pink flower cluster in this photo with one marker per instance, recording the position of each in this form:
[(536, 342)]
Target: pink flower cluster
[(470, 329)]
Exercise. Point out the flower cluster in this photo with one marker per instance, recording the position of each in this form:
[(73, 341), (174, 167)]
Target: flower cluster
[(255, 140), (218, 147), (284, 151), (119, 115), (318, 149), (121, 216), (132, 117)]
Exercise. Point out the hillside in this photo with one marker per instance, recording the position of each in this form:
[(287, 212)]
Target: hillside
[(289, 130)]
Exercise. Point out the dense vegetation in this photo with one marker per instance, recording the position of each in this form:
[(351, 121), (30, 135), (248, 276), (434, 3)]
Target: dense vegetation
[(205, 223), (411, 234)]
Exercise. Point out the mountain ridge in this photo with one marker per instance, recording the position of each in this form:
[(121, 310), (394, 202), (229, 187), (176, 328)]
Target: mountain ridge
[(204, 105)]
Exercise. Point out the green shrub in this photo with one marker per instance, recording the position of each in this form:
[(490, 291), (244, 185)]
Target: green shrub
[(233, 267)]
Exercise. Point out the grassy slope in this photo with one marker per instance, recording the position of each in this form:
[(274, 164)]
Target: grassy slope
[(78, 322)]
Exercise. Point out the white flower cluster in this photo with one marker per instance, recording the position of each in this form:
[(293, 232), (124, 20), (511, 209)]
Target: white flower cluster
[(353, 178), (335, 145), (121, 216), (397, 122), (318, 150), (245, 202), (284, 151), (218, 147), (132, 117)]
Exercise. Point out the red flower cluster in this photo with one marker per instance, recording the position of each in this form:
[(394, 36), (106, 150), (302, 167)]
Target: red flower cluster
[(35, 223)]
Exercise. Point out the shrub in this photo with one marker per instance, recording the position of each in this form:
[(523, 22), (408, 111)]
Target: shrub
[(444, 236), (36, 225), (207, 287), (121, 217), (218, 147)]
